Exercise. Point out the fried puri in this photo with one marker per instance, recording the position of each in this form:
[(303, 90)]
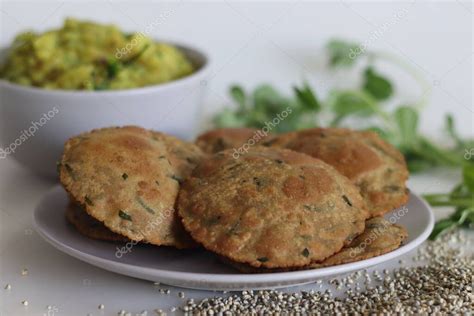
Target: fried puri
[(378, 238), (89, 226), (127, 178), (229, 138), (272, 208), (373, 165)]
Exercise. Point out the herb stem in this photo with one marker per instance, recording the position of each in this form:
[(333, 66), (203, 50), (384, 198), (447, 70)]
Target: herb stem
[(438, 196), (362, 95), (432, 152), (412, 71), (461, 202)]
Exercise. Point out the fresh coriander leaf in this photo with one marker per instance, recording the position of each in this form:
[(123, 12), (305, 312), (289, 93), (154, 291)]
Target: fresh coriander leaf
[(343, 53), (297, 118), (344, 103), (376, 85), (266, 96), (267, 105), (307, 98), (228, 118), (237, 93), (407, 120)]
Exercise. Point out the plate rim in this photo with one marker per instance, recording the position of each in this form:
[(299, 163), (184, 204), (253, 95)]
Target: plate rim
[(224, 279)]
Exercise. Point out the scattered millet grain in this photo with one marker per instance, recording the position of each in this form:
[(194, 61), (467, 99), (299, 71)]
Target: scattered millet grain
[(441, 284)]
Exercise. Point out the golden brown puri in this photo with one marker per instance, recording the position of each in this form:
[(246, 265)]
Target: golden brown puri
[(271, 207), (183, 156), (124, 177), (378, 238), (376, 167), (89, 226), (220, 139)]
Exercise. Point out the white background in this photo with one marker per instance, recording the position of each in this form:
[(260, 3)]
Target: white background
[(249, 43)]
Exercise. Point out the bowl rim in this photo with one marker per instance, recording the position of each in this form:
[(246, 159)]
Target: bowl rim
[(198, 74)]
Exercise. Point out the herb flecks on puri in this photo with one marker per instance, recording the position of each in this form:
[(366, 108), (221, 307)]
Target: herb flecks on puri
[(125, 215)]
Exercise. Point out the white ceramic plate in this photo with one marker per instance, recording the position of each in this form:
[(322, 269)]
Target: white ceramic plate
[(198, 269)]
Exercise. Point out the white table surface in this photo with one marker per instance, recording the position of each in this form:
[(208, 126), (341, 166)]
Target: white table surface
[(77, 288)]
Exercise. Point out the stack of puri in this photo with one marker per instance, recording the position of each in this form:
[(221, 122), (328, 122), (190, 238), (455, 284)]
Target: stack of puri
[(123, 183), (305, 199), (299, 200)]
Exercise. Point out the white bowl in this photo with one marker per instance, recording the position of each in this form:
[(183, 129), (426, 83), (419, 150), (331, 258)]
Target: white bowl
[(36, 122)]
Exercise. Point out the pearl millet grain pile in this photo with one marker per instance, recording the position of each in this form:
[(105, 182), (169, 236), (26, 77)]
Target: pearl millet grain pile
[(440, 282)]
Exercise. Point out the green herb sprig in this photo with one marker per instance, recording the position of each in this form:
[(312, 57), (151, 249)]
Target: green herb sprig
[(265, 103), (462, 198), (366, 103)]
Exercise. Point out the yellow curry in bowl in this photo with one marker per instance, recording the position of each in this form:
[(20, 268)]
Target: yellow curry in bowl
[(83, 55)]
